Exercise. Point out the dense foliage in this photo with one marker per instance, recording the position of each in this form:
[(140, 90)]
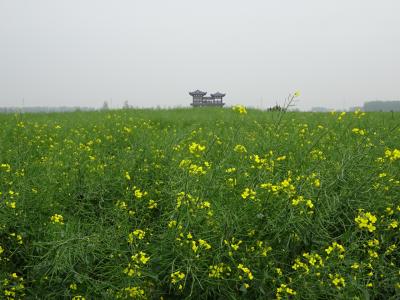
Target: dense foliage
[(202, 203)]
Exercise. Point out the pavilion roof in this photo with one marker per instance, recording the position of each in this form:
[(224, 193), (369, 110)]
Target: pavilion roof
[(218, 94), (197, 93)]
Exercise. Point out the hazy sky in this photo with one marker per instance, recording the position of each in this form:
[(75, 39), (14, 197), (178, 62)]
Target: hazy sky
[(82, 52)]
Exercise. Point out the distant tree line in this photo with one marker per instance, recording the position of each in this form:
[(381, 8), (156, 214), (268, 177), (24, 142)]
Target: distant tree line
[(368, 106), (382, 106), (38, 109), (276, 108)]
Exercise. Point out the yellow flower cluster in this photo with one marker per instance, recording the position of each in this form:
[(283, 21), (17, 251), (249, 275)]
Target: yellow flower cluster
[(240, 109), (121, 204), (285, 186), (233, 244), (199, 244), (195, 245), (196, 149), (359, 114), (337, 280), (127, 130), (393, 224), (317, 155), (57, 219), (138, 193), (240, 148), (392, 155), (341, 115), (137, 233), (263, 248), (338, 247), (17, 237), (13, 287), (218, 271), (366, 221), (390, 249), (172, 224), (152, 204), (10, 199), (248, 193), (265, 162), (193, 168), (196, 170), (355, 266), (298, 264), (246, 272), (177, 278), (374, 246), (358, 131), (204, 244), (314, 259), (231, 182), (284, 289), (138, 259), (5, 167), (300, 199), (230, 170), (134, 292), (193, 203)]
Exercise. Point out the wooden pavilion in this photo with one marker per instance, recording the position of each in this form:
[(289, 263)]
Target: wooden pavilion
[(200, 99)]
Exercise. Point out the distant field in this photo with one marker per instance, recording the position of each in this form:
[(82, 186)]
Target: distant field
[(200, 203)]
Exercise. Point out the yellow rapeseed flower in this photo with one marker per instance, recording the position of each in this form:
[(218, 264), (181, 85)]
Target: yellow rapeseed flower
[(248, 193), (240, 109), (177, 276), (172, 224), (139, 194), (240, 148), (366, 221), (392, 154), (152, 204), (57, 219), (394, 224), (196, 149), (284, 289), (134, 292), (204, 244), (137, 233), (337, 280), (355, 266), (246, 271)]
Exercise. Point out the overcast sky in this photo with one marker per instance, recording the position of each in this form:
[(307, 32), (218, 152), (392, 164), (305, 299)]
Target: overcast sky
[(82, 52)]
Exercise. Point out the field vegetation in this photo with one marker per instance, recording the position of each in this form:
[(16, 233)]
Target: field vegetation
[(201, 204)]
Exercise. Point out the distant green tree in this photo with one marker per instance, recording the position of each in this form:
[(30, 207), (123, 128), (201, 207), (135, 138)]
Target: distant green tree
[(276, 108)]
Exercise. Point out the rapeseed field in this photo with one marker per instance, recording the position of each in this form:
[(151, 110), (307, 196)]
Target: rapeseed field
[(200, 204)]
